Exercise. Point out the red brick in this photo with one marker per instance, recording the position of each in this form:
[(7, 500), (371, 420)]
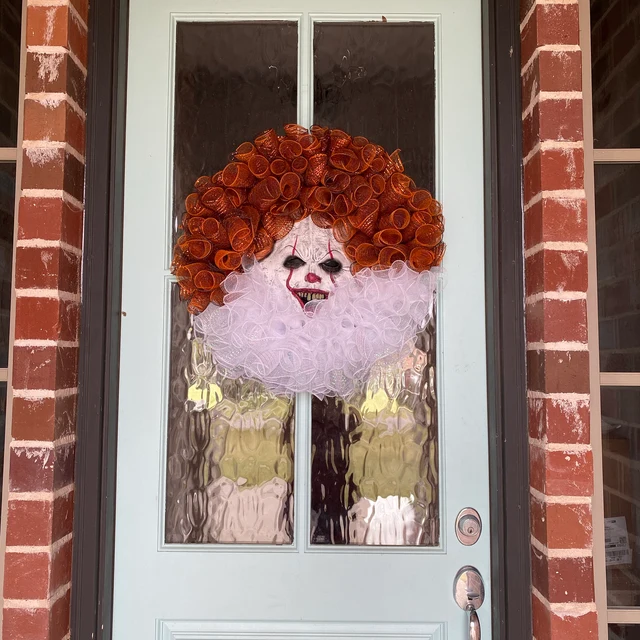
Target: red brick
[(552, 120), (47, 268), (41, 468), (538, 517), (569, 526), (541, 617), (55, 122), (26, 576), (29, 522), (558, 371), (31, 469), (57, 26), (47, 26), (561, 526), (43, 418), (561, 473), (46, 319), (62, 516), (550, 24), (53, 169), (583, 626), (559, 421), (556, 220), (61, 566), (557, 271), (560, 70), (55, 73), (25, 624), (532, 178), (561, 169), (82, 7), (562, 579), (557, 320), (45, 367), (561, 120), (60, 617), (49, 219), (78, 42)]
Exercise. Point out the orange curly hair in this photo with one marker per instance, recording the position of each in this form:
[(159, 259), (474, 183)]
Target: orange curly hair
[(344, 183)]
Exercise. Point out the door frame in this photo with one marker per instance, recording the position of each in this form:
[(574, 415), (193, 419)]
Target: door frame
[(94, 511)]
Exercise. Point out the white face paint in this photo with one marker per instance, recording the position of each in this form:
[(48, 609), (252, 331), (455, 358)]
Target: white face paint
[(309, 262)]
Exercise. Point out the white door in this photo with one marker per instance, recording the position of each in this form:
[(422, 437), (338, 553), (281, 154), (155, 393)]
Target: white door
[(215, 539)]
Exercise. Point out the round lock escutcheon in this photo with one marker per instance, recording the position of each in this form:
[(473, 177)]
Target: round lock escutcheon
[(468, 527)]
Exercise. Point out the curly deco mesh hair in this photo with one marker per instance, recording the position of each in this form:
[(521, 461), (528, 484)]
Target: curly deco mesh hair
[(346, 184)]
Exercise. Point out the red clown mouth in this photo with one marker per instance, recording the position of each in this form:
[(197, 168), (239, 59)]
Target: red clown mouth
[(307, 295)]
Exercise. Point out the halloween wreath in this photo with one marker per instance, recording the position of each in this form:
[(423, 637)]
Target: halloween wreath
[(344, 183)]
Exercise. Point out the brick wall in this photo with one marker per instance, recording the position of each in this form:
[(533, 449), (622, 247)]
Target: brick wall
[(557, 354), (47, 279)]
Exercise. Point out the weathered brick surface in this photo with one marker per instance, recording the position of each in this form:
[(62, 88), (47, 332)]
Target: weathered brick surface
[(556, 278), (39, 527)]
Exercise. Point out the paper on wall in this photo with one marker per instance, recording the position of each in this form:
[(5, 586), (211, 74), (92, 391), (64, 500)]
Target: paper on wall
[(616, 541)]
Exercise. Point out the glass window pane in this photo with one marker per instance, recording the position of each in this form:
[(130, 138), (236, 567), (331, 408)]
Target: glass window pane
[(7, 203), (375, 458), (618, 254), (624, 632), (621, 480), (377, 80), (10, 30), (3, 422), (230, 442), (233, 80), (615, 60)]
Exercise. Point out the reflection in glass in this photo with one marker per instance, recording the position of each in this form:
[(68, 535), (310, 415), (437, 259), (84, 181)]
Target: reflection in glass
[(7, 203), (233, 80), (618, 254), (230, 451), (10, 32), (378, 80), (621, 480), (624, 632), (615, 68), (375, 458)]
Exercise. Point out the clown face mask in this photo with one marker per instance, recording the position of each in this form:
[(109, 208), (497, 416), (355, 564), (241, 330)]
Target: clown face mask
[(309, 263)]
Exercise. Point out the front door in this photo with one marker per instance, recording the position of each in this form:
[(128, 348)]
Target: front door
[(245, 511)]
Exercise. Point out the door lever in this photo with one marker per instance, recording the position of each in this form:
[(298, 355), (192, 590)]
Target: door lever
[(468, 592)]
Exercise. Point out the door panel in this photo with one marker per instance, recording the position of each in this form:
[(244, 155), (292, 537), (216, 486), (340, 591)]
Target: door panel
[(183, 119)]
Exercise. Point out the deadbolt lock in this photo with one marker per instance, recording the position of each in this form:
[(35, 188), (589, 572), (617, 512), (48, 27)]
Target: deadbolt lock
[(468, 527)]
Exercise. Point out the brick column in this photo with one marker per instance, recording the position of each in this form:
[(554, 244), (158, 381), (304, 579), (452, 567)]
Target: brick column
[(37, 576), (557, 355)]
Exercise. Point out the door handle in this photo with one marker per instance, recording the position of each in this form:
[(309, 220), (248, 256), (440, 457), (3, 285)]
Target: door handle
[(474, 625), (468, 592)]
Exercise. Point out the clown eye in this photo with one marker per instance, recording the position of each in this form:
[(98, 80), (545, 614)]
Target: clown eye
[(293, 262), (331, 266)]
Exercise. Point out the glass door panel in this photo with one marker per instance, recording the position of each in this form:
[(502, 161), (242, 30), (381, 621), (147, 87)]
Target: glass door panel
[(229, 476), (374, 470)]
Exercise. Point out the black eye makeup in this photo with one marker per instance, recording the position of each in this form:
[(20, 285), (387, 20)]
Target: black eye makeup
[(331, 266), (293, 262)]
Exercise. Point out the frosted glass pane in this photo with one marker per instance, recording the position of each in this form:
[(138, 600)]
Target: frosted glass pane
[(230, 451), (230, 443), (375, 458)]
